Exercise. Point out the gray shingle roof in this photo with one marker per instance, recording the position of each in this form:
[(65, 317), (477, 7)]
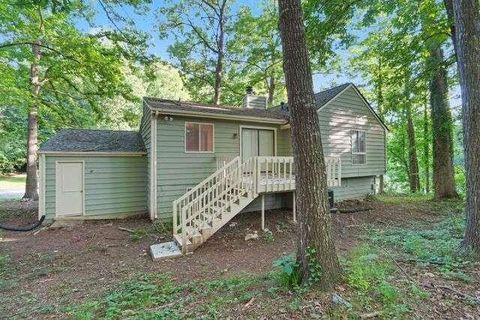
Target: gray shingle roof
[(162, 104), (86, 140), (322, 97)]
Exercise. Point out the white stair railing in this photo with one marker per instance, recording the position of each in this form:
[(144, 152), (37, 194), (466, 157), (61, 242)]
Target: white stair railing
[(333, 166), (207, 203)]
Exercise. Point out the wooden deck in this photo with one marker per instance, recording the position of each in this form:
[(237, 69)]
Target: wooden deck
[(200, 212)]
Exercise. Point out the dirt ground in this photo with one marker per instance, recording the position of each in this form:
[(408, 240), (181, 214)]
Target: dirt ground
[(72, 264)]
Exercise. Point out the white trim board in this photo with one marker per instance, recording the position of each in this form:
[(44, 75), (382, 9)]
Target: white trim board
[(41, 186), (153, 167)]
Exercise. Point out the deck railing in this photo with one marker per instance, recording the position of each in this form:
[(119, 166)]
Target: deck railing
[(275, 174)]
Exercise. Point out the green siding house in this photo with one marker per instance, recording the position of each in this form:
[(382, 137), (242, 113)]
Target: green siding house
[(200, 165)]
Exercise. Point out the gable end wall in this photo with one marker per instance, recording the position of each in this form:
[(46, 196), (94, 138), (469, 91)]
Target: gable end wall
[(337, 119)]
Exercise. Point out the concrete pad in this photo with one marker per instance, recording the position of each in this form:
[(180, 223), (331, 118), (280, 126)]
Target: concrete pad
[(57, 224), (165, 250)]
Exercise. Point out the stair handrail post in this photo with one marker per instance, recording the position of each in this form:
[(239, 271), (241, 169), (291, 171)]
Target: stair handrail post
[(184, 230), (255, 175), (175, 205)]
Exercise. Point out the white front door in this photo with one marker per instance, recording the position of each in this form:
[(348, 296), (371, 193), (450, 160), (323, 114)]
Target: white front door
[(257, 142), (69, 188)]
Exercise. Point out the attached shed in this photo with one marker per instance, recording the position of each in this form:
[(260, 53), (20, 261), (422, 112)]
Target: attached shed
[(93, 174)]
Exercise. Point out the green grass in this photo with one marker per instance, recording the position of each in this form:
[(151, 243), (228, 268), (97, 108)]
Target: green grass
[(433, 246), (16, 182), (403, 198), (158, 296), (11, 183)]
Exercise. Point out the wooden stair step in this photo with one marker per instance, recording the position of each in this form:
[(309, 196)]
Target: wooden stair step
[(178, 239)]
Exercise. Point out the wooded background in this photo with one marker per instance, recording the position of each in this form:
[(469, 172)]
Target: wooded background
[(87, 64)]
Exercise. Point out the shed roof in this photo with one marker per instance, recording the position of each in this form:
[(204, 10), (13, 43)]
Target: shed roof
[(87, 140), (209, 109)]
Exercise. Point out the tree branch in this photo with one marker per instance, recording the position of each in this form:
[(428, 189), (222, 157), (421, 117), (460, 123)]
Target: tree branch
[(30, 43)]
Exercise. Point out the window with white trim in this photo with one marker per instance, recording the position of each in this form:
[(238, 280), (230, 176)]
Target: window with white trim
[(198, 137), (359, 148)]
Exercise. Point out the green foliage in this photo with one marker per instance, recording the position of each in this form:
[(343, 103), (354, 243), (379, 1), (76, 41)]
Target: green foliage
[(367, 269), (268, 235), (288, 275), (133, 300), (436, 247), (89, 78), (199, 30), (4, 261), (372, 277), (255, 58), (157, 296), (314, 269), (249, 58), (156, 229), (395, 63)]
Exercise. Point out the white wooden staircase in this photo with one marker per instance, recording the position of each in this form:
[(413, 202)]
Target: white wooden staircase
[(200, 212)]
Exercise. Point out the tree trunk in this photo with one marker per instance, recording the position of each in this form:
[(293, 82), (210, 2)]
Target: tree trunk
[(31, 186), (449, 8), (316, 246), (467, 17), (443, 171), (218, 79), (271, 90), (414, 176), (381, 113), (220, 54), (426, 149)]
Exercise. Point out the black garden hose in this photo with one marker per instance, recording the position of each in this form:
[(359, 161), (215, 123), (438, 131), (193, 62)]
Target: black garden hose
[(26, 228)]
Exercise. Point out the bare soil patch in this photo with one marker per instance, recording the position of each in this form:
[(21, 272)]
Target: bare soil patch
[(58, 267)]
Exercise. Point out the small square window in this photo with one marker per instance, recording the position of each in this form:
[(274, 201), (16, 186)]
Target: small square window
[(198, 137)]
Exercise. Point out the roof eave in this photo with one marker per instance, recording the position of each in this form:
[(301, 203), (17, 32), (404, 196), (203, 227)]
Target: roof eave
[(93, 153), (210, 115)]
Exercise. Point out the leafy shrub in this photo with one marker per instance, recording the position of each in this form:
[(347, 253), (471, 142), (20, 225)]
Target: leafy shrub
[(288, 275), (388, 293), (268, 235), (289, 270)]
